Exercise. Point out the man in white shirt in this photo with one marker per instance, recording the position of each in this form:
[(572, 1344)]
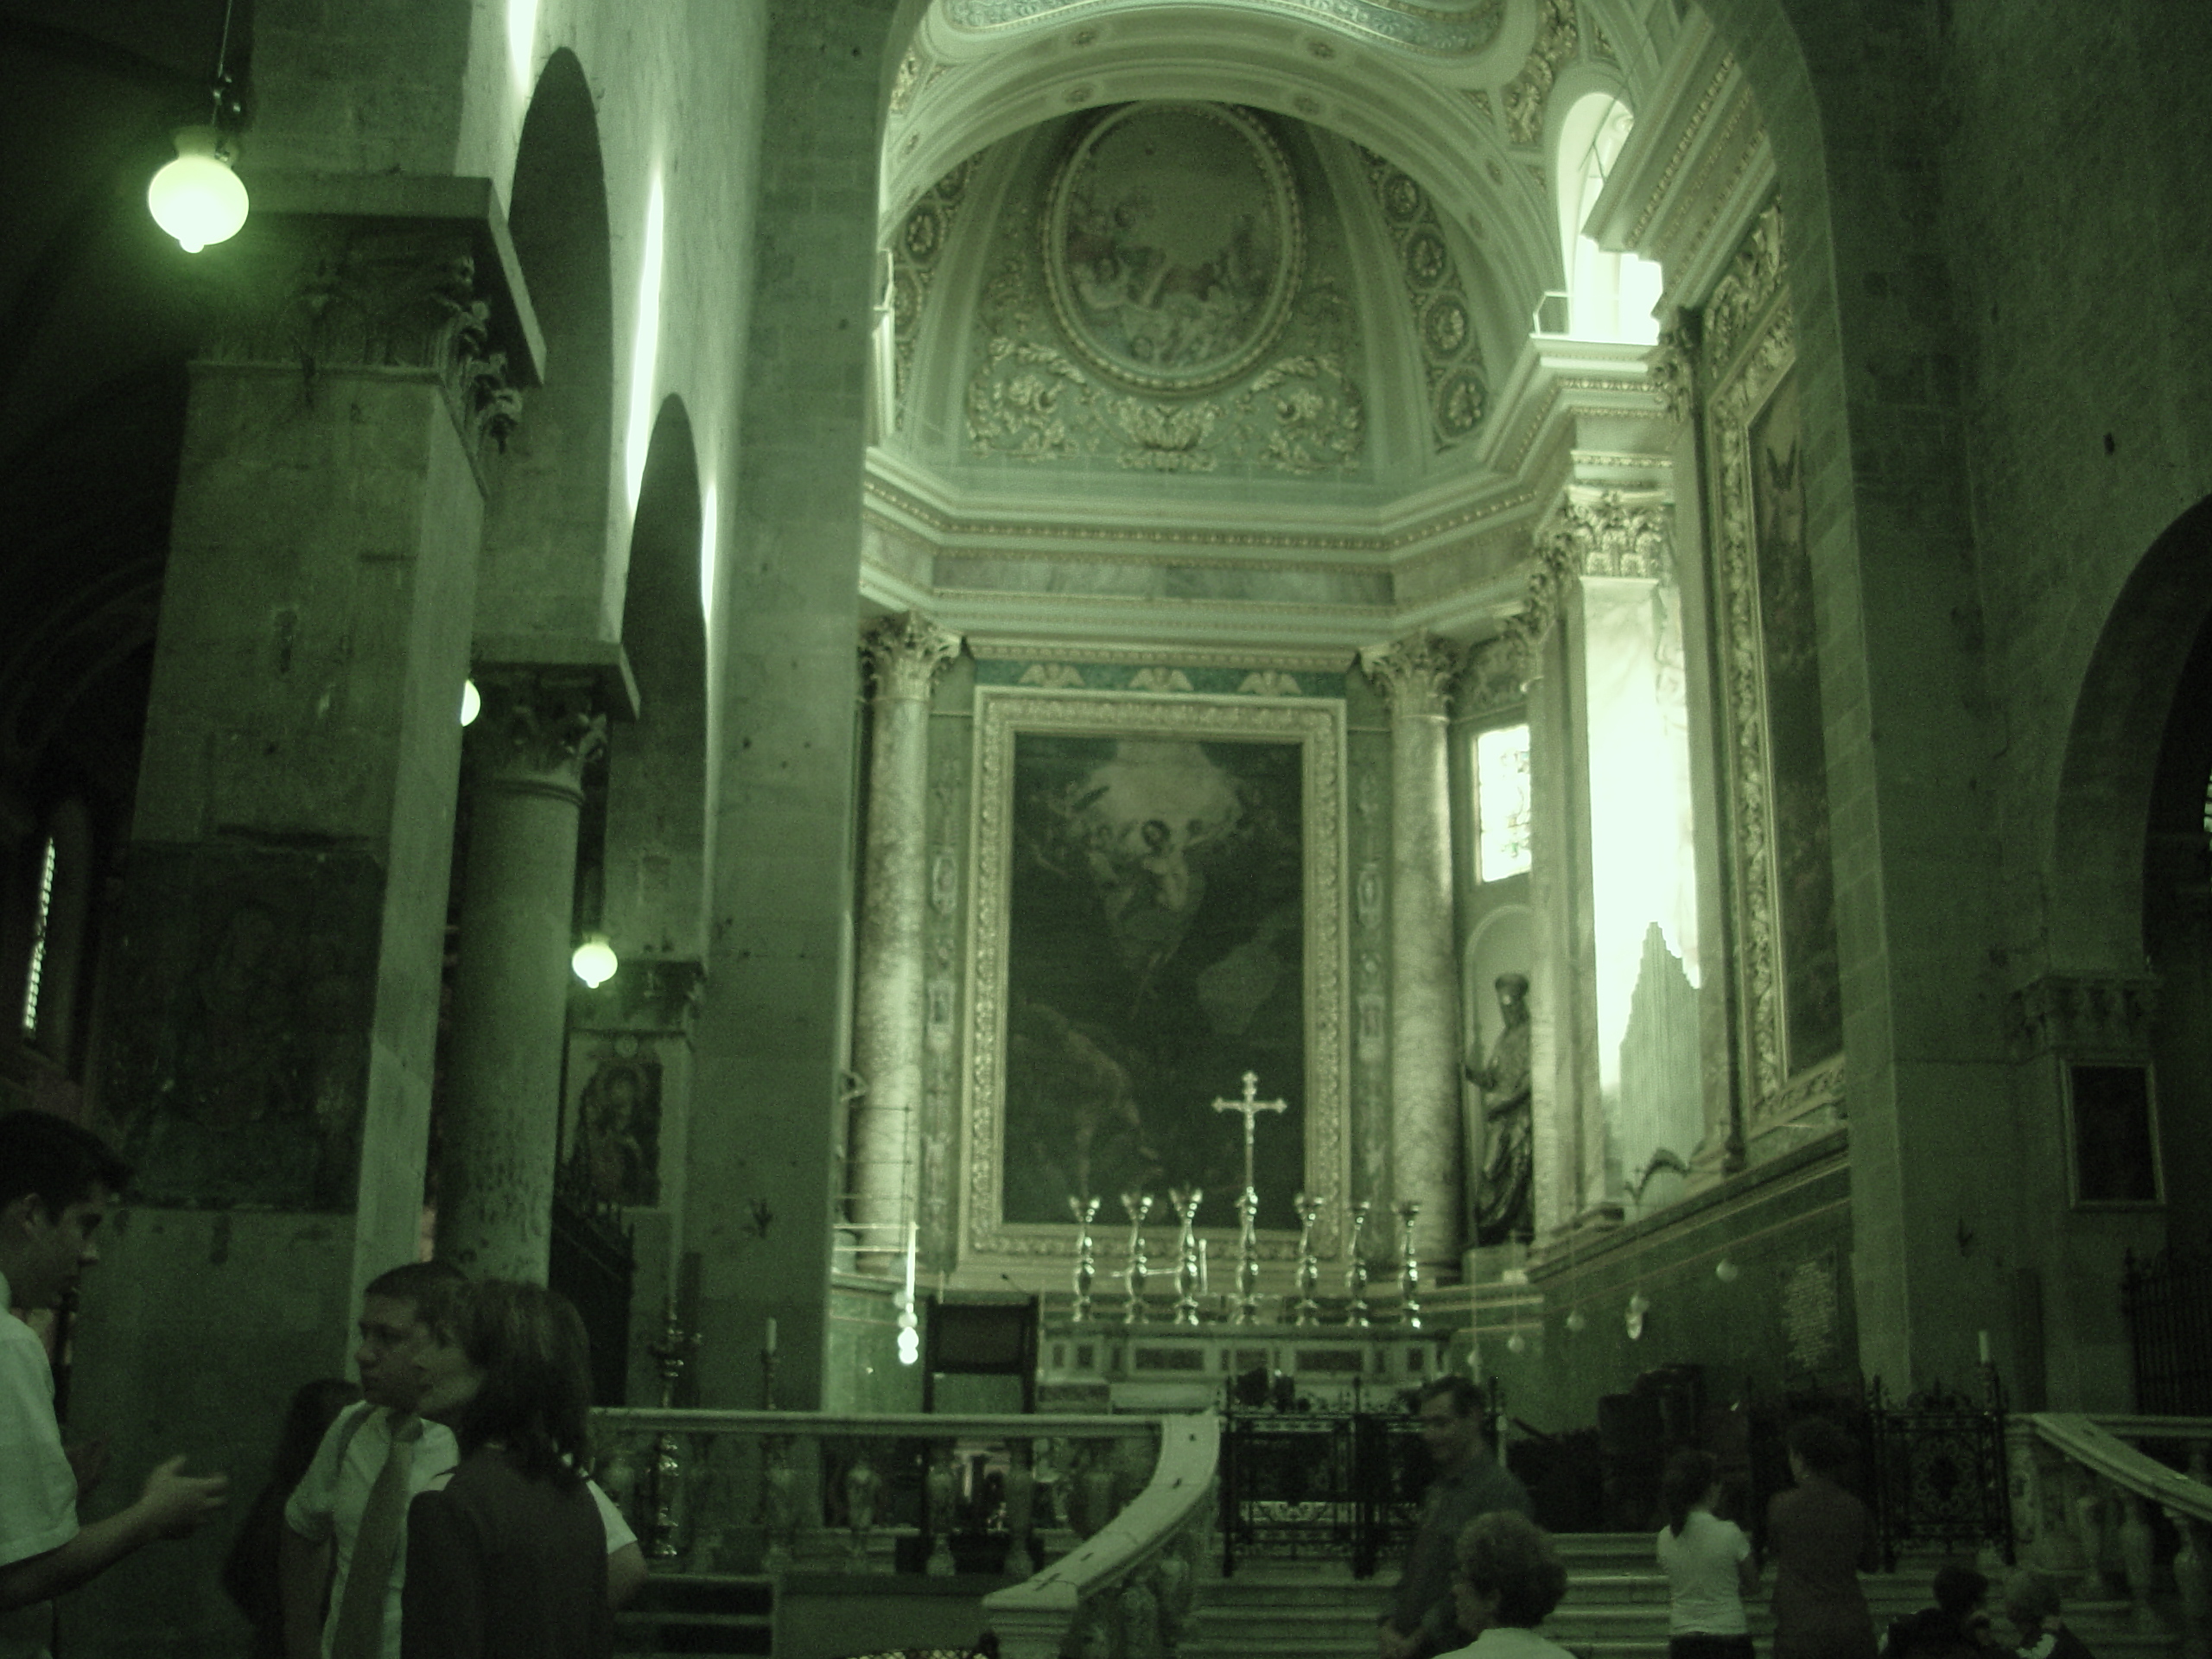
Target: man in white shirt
[(335, 1517), (56, 1183)]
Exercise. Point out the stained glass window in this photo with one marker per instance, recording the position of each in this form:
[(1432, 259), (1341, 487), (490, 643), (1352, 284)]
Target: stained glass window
[(38, 940)]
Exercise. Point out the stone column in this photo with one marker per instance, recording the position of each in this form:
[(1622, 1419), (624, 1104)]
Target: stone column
[(502, 1112), (905, 655), (1415, 675)]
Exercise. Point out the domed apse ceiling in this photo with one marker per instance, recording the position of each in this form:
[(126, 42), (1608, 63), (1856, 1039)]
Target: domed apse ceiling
[(1187, 289)]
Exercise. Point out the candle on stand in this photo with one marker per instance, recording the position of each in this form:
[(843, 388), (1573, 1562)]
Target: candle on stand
[(768, 1340)]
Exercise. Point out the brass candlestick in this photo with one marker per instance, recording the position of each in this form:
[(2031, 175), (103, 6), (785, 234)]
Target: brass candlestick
[(1309, 1265), (1409, 1266), (1248, 1258), (1139, 1204), (672, 1350), (1185, 1203), (1355, 1266), (1086, 1261)]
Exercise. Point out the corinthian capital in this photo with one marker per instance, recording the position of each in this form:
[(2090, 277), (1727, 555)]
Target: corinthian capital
[(537, 724), (906, 653), (1610, 537), (1415, 673)]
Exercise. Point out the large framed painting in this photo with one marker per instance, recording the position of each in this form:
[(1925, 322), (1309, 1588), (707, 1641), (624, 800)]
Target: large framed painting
[(1159, 886), (1781, 856)]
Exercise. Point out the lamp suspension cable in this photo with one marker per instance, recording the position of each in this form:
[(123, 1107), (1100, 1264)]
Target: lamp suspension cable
[(197, 198)]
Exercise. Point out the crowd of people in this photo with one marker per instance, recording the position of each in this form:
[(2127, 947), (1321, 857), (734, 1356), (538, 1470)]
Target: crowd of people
[(440, 1511), (1481, 1575)]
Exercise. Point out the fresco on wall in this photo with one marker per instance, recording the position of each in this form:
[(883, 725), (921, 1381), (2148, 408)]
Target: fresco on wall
[(1804, 874), (1155, 942)]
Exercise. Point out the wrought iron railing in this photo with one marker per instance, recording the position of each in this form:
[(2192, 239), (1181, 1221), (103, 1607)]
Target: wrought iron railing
[(1343, 1486), (2166, 1301), (1938, 1468)]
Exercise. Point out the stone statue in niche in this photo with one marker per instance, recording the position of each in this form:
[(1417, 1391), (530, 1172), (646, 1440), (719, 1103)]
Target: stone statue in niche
[(1504, 1206)]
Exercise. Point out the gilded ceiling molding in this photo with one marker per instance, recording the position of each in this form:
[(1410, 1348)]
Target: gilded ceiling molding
[(1436, 299), (1467, 30), (1530, 90), (914, 254), (1009, 648)]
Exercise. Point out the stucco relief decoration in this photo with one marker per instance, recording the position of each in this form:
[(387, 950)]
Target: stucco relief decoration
[(1786, 947), (1172, 244), (914, 255), (1436, 295), (1669, 367), (1446, 28), (1163, 320), (1530, 91)]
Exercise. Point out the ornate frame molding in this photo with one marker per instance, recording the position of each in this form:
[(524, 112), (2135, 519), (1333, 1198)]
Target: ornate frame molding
[(1000, 714), (1756, 298)]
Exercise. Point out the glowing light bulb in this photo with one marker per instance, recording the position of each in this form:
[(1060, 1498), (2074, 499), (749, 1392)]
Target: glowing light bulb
[(472, 702), (196, 198), (909, 1347), (594, 961)]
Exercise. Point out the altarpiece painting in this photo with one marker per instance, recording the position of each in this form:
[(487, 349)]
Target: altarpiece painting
[(1159, 887)]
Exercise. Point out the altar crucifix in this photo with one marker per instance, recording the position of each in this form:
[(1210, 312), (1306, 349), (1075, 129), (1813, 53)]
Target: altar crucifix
[(1248, 1206)]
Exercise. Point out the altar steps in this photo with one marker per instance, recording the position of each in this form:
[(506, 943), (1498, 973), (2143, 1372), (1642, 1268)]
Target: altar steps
[(1616, 1608)]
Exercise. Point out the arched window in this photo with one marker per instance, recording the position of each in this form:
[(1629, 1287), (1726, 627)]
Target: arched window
[(1502, 802), (1609, 296)]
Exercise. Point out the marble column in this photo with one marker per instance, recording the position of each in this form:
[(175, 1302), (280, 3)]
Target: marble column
[(502, 1113), (905, 655), (1414, 675)]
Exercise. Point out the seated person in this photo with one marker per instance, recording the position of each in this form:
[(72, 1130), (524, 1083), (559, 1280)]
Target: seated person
[(1956, 1627), (2031, 1605)]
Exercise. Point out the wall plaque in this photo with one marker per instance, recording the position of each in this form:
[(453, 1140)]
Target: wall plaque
[(1810, 1314)]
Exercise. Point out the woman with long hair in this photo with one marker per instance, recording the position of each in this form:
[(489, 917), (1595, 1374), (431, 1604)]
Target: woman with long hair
[(508, 1560), (1708, 1565), (1821, 1538)]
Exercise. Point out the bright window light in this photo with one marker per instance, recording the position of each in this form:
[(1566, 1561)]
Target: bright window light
[(709, 526), (645, 347), (1502, 802), (522, 40), (38, 940)]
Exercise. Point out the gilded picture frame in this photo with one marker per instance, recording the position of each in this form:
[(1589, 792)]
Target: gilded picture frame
[(1781, 866), (1131, 875)]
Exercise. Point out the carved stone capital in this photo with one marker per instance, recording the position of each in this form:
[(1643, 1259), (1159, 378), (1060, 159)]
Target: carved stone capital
[(1670, 367), (538, 727), (2086, 1014), (659, 995), (906, 653), (384, 274), (1740, 297), (1610, 536), (1414, 674), (1496, 676)]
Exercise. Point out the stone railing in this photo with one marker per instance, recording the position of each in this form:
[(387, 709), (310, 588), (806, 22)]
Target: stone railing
[(2082, 1493), (1126, 1591)]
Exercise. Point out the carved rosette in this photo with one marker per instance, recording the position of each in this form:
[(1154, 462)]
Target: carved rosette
[(1414, 674), (2086, 1014), (906, 653), (538, 728), (333, 294), (1670, 367)]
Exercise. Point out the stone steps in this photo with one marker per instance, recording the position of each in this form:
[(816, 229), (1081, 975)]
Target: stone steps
[(1615, 1608)]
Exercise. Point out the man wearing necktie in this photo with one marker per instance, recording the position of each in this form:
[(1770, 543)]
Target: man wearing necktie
[(346, 1524)]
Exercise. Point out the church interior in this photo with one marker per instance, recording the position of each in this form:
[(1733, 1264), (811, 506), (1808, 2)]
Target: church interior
[(1533, 670)]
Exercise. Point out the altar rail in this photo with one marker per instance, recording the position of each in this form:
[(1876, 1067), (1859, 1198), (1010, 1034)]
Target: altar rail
[(1127, 1499), (2085, 1493)]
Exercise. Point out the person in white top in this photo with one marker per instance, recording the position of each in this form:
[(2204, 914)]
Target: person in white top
[(1509, 1580), (1708, 1563), (335, 1515), (57, 1180)]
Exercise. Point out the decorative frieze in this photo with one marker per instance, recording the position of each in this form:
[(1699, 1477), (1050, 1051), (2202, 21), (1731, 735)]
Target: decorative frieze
[(1741, 296), (1670, 368)]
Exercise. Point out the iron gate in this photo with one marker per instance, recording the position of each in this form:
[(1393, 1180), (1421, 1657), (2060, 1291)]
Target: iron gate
[(1320, 1486), (1938, 1468)]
